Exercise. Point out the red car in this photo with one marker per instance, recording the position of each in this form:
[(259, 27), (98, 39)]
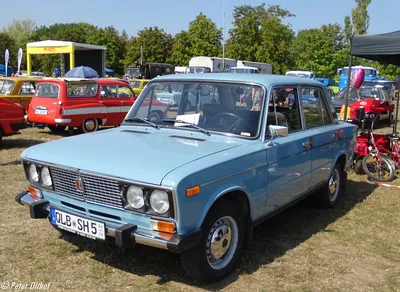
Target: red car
[(85, 104), (11, 118)]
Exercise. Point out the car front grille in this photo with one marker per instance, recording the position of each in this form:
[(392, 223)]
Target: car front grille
[(95, 189)]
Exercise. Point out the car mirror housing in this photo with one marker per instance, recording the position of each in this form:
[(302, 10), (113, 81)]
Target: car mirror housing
[(279, 131)]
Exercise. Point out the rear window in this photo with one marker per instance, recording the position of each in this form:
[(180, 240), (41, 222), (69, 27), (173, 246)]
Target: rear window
[(47, 90), (77, 90), (6, 86)]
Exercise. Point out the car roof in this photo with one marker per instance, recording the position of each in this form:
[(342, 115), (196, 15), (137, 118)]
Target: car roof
[(263, 79), (100, 81), (22, 79)]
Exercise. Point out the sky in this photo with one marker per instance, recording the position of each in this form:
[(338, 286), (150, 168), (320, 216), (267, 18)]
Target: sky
[(175, 15)]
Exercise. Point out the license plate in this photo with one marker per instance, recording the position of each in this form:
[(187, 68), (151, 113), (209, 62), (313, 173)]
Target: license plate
[(78, 225), (41, 111)]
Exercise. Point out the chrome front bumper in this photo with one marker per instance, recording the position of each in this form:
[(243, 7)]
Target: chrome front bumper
[(126, 235)]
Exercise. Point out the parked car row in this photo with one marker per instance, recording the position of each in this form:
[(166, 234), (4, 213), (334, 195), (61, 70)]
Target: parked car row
[(56, 103)]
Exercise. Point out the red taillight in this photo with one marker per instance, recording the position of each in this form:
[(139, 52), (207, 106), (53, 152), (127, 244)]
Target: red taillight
[(60, 111)]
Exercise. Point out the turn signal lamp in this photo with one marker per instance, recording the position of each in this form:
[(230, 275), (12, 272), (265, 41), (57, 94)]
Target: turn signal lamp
[(162, 226), (193, 191), (35, 193)]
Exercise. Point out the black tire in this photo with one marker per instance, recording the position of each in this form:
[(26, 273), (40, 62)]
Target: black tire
[(89, 125), (330, 193), (382, 173), (358, 167), (57, 129), (1, 135), (155, 116), (199, 262)]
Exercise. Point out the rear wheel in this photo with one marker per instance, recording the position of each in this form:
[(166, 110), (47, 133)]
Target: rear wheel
[(218, 251), (333, 189), (57, 129), (378, 168), (89, 125), (1, 135), (155, 116)]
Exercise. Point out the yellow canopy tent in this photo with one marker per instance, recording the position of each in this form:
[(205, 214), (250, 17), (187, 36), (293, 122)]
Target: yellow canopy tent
[(75, 54)]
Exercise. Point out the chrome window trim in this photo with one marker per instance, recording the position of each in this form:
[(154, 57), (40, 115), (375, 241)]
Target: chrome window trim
[(119, 179)]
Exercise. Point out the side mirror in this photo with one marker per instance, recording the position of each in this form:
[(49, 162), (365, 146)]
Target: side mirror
[(279, 131)]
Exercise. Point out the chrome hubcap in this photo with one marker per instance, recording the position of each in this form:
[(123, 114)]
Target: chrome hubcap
[(89, 125), (222, 242), (334, 185)]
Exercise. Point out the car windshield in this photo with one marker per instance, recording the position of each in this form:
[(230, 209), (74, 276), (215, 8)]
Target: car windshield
[(132, 71), (367, 72), (48, 90), (362, 93), (224, 108), (6, 86)]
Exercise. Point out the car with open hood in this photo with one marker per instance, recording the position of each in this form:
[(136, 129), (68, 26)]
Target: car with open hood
[(195, 180)]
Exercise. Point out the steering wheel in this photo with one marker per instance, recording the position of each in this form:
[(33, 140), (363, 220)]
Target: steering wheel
[(239, 120)]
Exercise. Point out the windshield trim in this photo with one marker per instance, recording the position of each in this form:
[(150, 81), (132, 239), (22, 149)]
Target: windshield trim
[(142, 96)]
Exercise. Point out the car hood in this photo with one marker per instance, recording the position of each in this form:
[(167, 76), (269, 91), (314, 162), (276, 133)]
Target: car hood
[(130, 153)]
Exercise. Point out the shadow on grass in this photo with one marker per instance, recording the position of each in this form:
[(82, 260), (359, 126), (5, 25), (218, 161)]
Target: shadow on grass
[(271, 240), (18, 143)]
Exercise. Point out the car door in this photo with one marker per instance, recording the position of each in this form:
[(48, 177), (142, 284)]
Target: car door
[(127, 98), (322, 133), (112, 104), (289, 163), (26, 91)]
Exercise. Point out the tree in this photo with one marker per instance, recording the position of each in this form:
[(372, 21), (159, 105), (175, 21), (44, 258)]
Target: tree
[(275, 46), (320, 50), (360, 17), (348, 29), (181, 49), (156, 44), (246, 37), (20, 30), (114, 43), (6, 42)]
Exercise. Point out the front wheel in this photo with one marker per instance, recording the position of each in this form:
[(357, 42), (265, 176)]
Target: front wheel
[(57, 129), (218, 251), (378, 168)]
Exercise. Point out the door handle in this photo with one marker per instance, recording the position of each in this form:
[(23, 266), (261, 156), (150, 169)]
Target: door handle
[(335, 135), (23, 98), (309, 143)]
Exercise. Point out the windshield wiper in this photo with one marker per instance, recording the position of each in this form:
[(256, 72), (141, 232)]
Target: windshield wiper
[(200, 129), (136, 119)]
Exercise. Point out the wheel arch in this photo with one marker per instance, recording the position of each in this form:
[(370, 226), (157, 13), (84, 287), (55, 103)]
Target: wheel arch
[(241, 198), (342, 159)]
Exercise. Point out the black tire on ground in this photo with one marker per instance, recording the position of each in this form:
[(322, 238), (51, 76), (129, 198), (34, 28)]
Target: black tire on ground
[(358, 167), (57, 129), (330, 193), (382, 173), (89, 125), (220, 246), (155, 116), (1, 135)]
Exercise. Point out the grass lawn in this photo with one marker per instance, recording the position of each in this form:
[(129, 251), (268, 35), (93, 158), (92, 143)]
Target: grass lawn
[(354, 247)]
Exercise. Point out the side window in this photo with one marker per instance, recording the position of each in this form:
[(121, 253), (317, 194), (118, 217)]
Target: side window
[(314, 107), (284, 108), (125, 91), (109, 91), (27, 88)]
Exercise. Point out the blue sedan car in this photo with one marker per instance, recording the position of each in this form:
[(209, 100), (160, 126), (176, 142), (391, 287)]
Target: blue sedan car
[(197, 179)]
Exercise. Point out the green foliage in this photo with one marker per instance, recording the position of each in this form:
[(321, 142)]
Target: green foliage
[(6, 42), (156, 44), (115, 44), (203, 38), (275, 47), (360, 17), (260, 35), (348, 29), (320, 50), (20, 31)]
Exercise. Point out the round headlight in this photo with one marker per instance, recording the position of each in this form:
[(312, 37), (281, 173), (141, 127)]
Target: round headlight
[(46, 178), (159, 201), (33, 174), (134, 197)]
